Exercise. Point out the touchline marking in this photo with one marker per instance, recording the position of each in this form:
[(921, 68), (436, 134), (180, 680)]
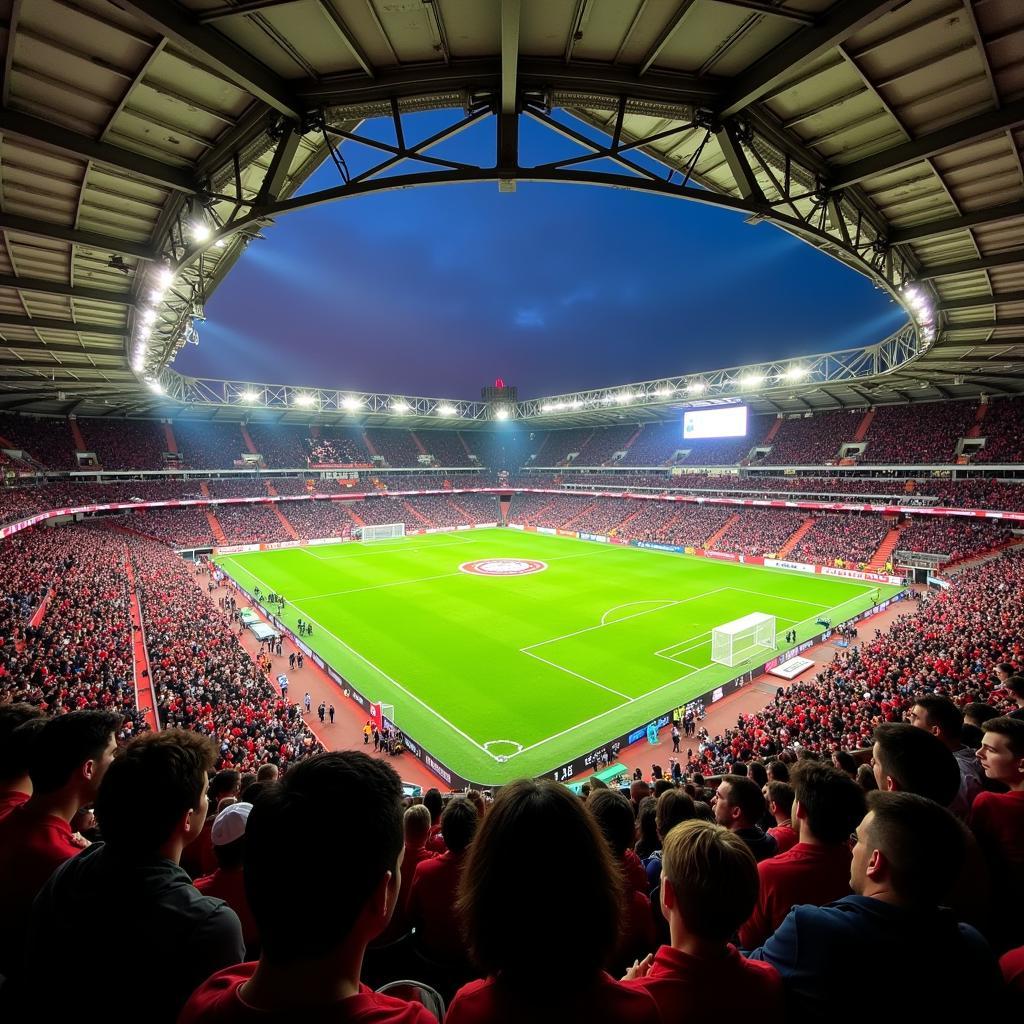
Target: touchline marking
[(571, 672), (380, 671)]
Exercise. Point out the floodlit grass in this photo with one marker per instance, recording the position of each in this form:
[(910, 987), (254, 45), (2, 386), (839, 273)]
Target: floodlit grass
[(501, 677)]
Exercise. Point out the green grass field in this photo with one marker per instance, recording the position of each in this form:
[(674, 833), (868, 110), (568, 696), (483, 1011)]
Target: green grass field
[(501, 677)]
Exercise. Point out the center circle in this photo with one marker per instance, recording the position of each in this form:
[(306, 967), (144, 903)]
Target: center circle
[(503, 566)]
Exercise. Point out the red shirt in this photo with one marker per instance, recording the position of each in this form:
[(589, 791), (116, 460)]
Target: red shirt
[(229, 886), (32, 847), (435, 841), (691, 988), (218, 1001), (9, 799), (805, 874), (606, 1001), (432, 907), (997, 820), (1012, 966), (785, 836), (634, 872)]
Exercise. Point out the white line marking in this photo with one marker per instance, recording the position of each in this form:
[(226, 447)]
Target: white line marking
[(394, 682), (586, 679), (665, 602), (778, 597)]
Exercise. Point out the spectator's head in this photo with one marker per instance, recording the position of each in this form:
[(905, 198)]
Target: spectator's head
[(614, 817), (757, 771), (1004, 670), (517, 912), (248, 779), (908, 850), (914, 761), (252, 793), (738, 802), (779, 797), (476, 798), (225, 783), (433, 803), (709, 881), (228, 835), (978, 714), (72, 753), (1002, 751), (303, 827), (778, 771), (416, 825), (940, 716), (1014, 687), (866, 778), (638, 790), (674, 807), (827, 802), (153, 799), (19, 725), (267, 773), (845, 761), (458, 824), (646, 823)]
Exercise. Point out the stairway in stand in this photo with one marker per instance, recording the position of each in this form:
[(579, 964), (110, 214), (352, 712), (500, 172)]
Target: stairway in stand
[(979, 418), (249, 443), (288, 528), (772, 431), (885, 549), (417, 514), (710, 543), (218, 531), (864, 425), (798, 535)]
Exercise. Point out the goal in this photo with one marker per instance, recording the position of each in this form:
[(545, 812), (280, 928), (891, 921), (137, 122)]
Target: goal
[(384, 531), (735, 642)]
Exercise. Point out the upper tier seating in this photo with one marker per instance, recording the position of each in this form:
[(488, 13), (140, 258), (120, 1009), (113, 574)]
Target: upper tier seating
[(918, 434), (813, 440), (282, 447), (209, 445)]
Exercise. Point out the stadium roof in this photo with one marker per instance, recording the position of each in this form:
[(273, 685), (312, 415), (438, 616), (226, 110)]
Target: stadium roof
[(888, 133)]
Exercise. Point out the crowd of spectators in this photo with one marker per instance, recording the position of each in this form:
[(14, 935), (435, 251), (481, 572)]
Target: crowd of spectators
[(237, 487), (288, 484), (813, 440), (396, 447), (186, 527), (250, 524), (125, 444), (47, 439), (604, 443), (281, 446), (759, 531), (340, 445), (205, 445), (1003, 430), (316, 519), (918, 434), (477, 508), (446, 447), (955, 538), (558, 445), (841, 540), (678, 525)]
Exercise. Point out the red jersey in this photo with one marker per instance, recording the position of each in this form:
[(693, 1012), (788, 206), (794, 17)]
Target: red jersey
[(691, 988), (606, 1001), (9, 800), (198, 858), (229, 886), (997, 820), (785, 836), (1012, 966), (32, 847), (218, 1001), (432, 907), (805, 874)]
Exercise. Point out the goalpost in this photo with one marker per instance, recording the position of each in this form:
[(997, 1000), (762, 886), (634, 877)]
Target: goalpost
[(734, 642), (384, 531)]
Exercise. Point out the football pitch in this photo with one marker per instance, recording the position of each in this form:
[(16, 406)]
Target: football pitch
[(511, 675)]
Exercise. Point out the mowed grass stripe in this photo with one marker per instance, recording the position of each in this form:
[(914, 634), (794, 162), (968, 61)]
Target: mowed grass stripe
[(455, 640)]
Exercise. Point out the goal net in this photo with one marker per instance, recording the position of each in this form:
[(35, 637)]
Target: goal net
[(735, 642), (384, 531)]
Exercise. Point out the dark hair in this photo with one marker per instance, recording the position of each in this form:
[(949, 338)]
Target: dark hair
[(433, 803), (846, 762), (943, 713), (225, 783), (267, 773), (918, 762), (152, 783), (458, 824), (745, 794), (832, 802), (662, 786), (757, 771), (647, 828), (65, 743), (19, 726), (304, 824), (230, 855), (781, 794), (866, 778), (248, 779), (1012, 729), (980, 712), (778, 770), (739, 769), (254, 792), (517, 911), (923, 843), (614, 817), (1005, 666), (1015, 684), (673, 807)]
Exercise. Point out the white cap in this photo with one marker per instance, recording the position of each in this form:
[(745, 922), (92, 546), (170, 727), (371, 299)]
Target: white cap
[(230, 824)]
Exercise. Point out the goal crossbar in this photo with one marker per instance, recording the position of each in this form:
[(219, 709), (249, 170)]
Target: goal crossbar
[(734, 642), (381, 531)]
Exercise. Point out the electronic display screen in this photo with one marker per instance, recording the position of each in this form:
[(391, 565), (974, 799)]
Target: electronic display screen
[(725, 421)]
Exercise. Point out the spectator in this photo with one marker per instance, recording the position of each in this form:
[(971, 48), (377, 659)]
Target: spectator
[(416, 827), (673, 808), (434, 803), (69, 757), (943, 719), (19, 725), (828, 805), (914, 761), (708, 887), (779, 798), (199, 860), (310, 961), (151, 804), (907, 848), (226, 882), (739, 806), (543, 944), (1014, 688)]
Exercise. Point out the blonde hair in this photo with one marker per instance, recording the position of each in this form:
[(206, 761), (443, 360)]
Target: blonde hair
[(416, 822), (713, 875)]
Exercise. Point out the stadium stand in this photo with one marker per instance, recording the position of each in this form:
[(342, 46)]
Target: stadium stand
[(841, 539), (46, 439), (955, 539), (237, 487), (396, 447), (759, 531), (250, 524), (918, 434), (341, 445), (209, 445), (1003, 430), (604, 443), (282, 447), (813, 440), (125, 444), (446, 447), (313, 519)]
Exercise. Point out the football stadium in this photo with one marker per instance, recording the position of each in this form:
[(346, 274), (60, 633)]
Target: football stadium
[(690, 662)]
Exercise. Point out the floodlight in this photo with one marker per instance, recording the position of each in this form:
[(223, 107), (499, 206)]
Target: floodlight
[(220, 243), (156, 386), (501, 414), (751, 380), (796, 373), (249, 396), (164, 277), (696, 387), (446, 410), (399, 406), (148, 315), (201, 231), (143, 331), (349, 402), (664, 392), (623, 397), (547, 407), (304, 398)]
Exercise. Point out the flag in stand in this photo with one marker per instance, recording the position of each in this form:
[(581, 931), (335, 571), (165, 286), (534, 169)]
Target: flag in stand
[(377, 716)]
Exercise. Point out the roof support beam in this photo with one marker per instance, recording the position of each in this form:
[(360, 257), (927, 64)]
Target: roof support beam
[(985, 325), (348, 40), (15, 125), (739, 166), (216, 51), (10, 222), (976, 218), (252, 7), (842, 21), (1009, 258), (979, 126), (38, 284), (280, 165), (975, 301), (665, 35), (510, 11), (45, 323), (59, 348)]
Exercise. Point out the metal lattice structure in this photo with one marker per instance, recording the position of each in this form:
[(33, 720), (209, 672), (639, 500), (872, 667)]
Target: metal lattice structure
[(145, 145)]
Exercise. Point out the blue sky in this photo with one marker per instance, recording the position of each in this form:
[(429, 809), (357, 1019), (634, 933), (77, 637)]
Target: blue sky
[(439, 290)]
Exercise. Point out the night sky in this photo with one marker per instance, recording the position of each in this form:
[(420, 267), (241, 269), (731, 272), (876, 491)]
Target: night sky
[(436, 291)]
